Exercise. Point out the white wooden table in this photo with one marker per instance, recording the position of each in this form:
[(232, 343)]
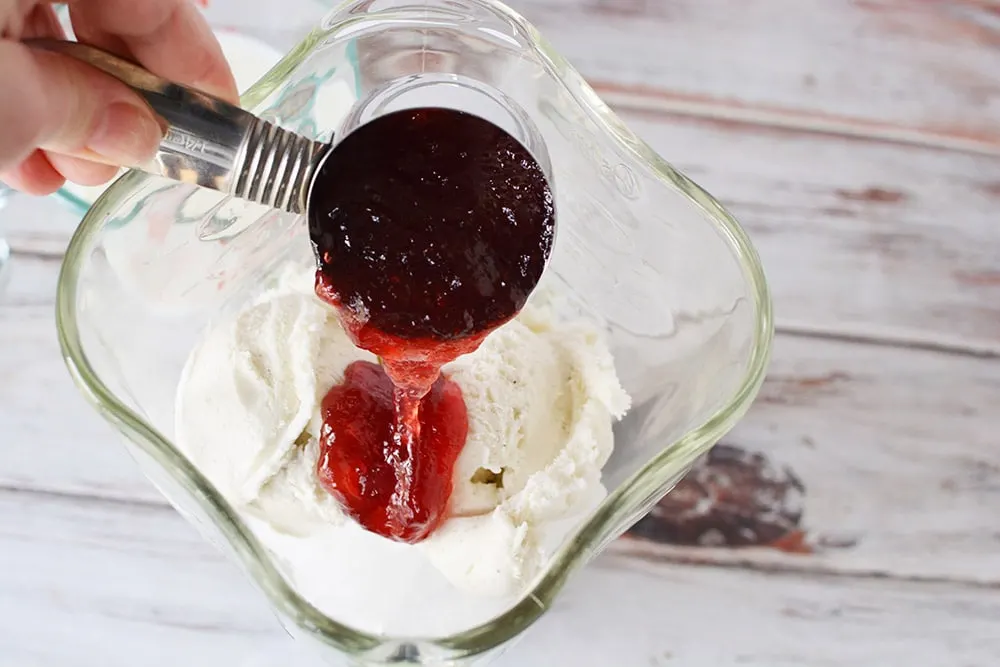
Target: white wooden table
[(859, 142)]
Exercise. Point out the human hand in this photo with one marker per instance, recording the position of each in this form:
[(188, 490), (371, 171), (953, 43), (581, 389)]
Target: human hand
[(61, 119)]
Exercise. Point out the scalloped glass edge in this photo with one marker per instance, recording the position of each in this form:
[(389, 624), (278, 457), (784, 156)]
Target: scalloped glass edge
[(623, 506)]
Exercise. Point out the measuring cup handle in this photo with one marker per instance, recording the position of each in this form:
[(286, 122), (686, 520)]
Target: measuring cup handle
[(210, 142)]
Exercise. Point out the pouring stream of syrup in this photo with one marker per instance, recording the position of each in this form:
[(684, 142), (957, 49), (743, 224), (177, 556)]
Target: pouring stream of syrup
[(431, 228)]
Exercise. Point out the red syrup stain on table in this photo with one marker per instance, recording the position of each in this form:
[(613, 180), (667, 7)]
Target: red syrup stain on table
[(431, 228)]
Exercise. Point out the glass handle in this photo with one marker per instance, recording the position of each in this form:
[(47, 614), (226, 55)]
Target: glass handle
[(210, 142)]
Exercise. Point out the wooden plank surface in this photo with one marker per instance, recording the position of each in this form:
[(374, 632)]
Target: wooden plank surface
[(859, 143), (860, 238), (101, 583), (897, 451), (918, 70), (52, 439)]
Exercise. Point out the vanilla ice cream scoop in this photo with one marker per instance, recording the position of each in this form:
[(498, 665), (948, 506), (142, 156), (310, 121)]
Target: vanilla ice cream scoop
[(528, 397), (541, 396), (248, 393)]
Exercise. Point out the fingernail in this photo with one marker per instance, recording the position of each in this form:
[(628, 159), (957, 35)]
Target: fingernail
[(127, 135), (223, 92)]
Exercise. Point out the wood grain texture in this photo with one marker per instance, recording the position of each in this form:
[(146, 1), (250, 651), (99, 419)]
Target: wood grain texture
[(100, 583), (868, 239), (51, 437), (720, 618), (858, 238), (897, 450), (38, 226), (891, 240), (918, 70)]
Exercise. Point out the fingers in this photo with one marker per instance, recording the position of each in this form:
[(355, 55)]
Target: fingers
[(61, 105), (81, 172), (54, 107), (41, 21), (34, 175), (169, 37), (41, 173)]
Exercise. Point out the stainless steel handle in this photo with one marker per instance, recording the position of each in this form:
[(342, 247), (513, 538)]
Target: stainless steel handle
[(210, 142)]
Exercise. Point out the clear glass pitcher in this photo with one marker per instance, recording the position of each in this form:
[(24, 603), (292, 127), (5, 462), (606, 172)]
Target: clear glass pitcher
[(643, 251)]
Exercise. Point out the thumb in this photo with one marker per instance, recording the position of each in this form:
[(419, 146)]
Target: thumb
[(59, 104)]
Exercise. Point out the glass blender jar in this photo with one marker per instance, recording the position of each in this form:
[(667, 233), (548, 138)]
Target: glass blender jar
[(640, 250)]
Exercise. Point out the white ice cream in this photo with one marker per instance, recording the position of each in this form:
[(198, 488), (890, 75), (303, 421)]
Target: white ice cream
[(541, 395)]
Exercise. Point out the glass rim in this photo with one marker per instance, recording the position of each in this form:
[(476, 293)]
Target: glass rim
[(589, 538)]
